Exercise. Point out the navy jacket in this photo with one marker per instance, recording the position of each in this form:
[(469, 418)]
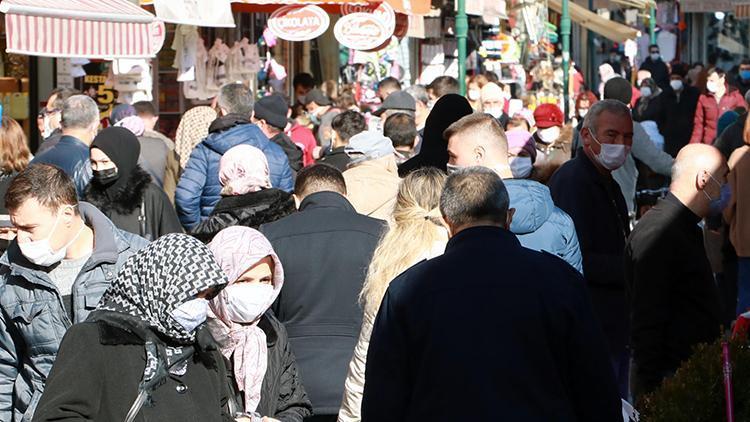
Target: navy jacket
[(326, 249), (488, 331), (199, 188), (595, 203), (72, 156)]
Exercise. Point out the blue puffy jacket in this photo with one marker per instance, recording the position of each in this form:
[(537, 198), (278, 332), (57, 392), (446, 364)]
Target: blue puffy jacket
[(72, 156), (199, 188), (539, 224)]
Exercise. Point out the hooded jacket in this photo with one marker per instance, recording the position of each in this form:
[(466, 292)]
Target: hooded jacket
[(708, 112), (199, 188), (539, 224), (434, 148), (33, 319)]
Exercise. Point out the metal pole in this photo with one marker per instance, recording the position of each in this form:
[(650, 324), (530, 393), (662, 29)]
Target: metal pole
[(462, 28), (591, 53), (652, 23), (565, 32)]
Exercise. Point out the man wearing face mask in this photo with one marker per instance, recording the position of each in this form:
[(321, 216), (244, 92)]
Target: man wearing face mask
[(719, 98), (416, 342), (743, 77), (673, 296), (493, 103), (321, 111), (680, 114), (585, 189), (549, 121), (478, 140), (270, 115), (51, 115), (80, 121), (657, 67), (65, 255)]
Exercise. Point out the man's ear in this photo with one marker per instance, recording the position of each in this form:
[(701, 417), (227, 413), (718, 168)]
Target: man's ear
[(297, 200), (701, 180), (509, 218)]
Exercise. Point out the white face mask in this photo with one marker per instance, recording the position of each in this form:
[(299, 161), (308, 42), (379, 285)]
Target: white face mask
[(521, 167), (191, 314), (494, 112), (47, 127), (611, 156), (452, 168), (40, 252), (247, 302), (474, 94), (655, 56), (646, 91), (676, 84), (711, 86), (549, 135), (583, 112)]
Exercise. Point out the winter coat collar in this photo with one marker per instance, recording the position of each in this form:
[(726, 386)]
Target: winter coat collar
[(234, 131), (484, 236), (326, 199), (106, 247), (270, 198), (532, 202), (227, 122), (126, 200), (676, 210)]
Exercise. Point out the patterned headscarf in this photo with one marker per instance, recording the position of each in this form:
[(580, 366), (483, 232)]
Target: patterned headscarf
[(236, 250), (165, 274), (244, 169), (193, 128)]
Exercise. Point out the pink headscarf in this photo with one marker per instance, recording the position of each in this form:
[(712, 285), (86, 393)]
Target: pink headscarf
[(244, 169), (134, 124), (237, 249)]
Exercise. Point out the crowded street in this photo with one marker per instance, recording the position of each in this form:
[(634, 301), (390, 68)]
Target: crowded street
[(374, 210)]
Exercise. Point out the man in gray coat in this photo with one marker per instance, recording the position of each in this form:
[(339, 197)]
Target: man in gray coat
[(64, 257)]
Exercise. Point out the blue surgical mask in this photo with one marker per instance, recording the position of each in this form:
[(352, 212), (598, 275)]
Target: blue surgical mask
[(717, 206), (745, 75)]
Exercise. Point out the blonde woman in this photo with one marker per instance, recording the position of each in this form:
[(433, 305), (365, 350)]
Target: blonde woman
[(416, 232)]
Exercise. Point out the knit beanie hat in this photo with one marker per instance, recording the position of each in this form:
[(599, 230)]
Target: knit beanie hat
[(273, 110)]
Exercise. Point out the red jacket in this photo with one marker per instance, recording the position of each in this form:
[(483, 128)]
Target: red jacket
[(708, 112), (305, 139)]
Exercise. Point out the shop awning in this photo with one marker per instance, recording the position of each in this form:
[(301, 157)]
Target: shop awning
[(94, 29), (407, 7), (614, 31)]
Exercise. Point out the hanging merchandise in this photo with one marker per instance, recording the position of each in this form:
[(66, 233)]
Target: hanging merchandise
[(216, 71), (213, 13), (433, 62), (196, 89), (185, 46), (299, 22), (131, 78)]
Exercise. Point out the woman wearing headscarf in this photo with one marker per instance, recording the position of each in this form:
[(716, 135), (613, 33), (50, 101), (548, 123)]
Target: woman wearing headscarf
[(123, 191), (193, 128), (247, 198), (652, 108), (253, 341), (416, 232), (434, 148), (144, 354)]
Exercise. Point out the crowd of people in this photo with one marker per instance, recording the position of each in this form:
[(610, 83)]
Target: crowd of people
[(311, 259)]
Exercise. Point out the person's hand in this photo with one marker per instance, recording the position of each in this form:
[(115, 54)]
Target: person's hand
[(243, 419), (267, 419)]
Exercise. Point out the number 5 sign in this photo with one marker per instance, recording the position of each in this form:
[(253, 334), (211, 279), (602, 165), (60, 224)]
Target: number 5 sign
[(95, 87)]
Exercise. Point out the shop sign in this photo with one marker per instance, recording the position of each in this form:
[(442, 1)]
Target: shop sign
[(96, 87), (361, 31), (383, 11), (705, 6), (299, 22)]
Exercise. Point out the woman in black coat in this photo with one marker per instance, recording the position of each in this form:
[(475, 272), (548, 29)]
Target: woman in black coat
[(139, 357), (255, 344), (247, 198), (123, 191)]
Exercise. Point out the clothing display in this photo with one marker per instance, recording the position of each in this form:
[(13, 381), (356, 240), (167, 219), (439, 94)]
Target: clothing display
[(433, 62), (132, 80)]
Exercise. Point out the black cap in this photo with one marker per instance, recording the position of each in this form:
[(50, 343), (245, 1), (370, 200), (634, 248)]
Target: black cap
[(318, 97), (399, 100), (273, 110)]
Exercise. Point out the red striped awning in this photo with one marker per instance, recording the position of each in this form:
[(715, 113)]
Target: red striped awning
[(94, 29)]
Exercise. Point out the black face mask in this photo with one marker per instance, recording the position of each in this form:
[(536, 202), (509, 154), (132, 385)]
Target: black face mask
[(106, 176)]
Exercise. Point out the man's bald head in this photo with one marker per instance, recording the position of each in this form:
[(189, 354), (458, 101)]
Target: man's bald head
[(698, 173)]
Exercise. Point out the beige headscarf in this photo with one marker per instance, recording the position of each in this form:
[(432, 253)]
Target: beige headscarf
[(192, 130)]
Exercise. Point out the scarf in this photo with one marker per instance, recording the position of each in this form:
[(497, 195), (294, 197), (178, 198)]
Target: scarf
[(244, 169), (123, 149), (159, 278), (192, 129), (237, 249)]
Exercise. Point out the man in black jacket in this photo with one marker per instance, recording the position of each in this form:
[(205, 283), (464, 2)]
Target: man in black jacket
[(489, 330), (674, 299), (345, 126), (683, 100), (325, 248), (584, 188), (657, 67), (270, 114)]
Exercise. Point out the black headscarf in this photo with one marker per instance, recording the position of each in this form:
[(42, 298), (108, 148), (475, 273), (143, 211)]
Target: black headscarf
[(123, 149), (152, 283), (434, 150)]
